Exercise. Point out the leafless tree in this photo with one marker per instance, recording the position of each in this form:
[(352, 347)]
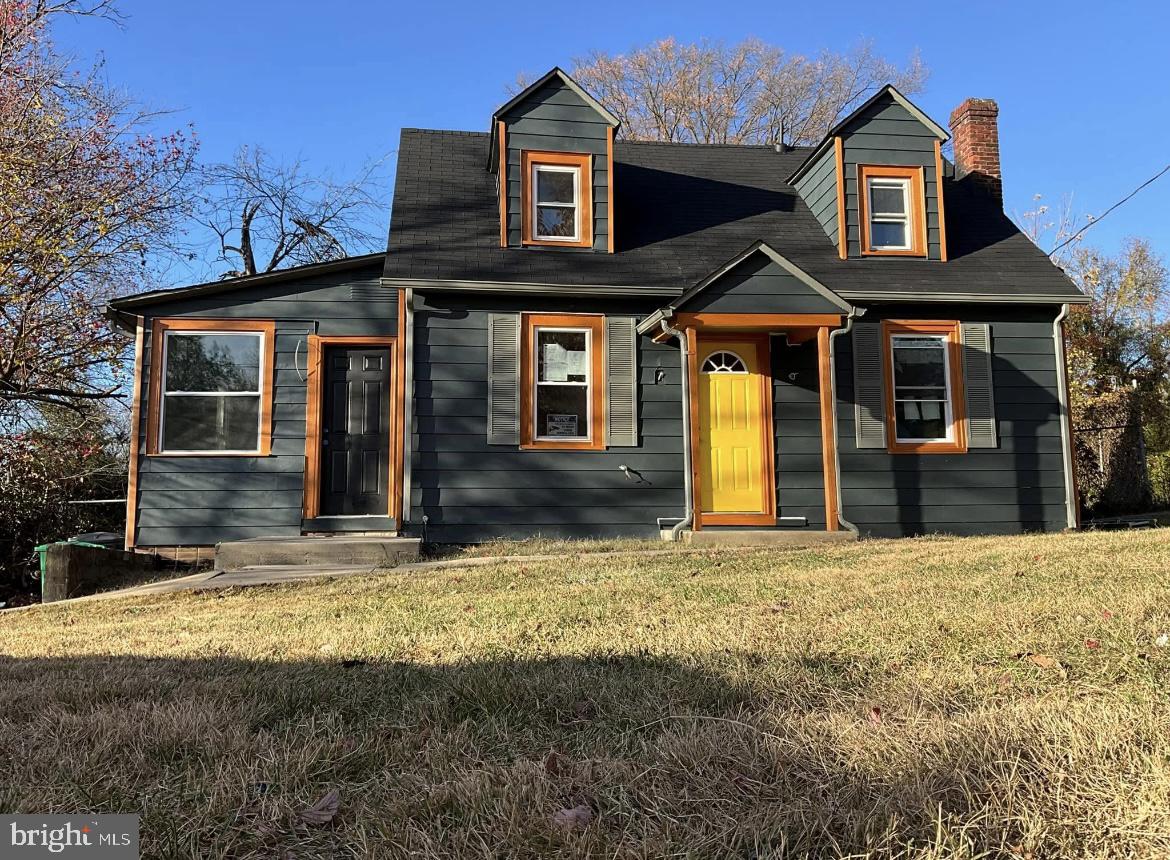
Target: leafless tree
[(269, 215), (751, 92)]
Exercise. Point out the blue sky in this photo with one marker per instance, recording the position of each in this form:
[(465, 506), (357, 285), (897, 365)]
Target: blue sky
[(1083, 90)]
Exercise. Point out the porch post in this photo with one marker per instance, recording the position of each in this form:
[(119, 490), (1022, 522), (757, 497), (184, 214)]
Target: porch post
[(828, 441), (693, 406)]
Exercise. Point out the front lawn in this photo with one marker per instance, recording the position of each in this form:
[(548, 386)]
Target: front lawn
[(926, 698)]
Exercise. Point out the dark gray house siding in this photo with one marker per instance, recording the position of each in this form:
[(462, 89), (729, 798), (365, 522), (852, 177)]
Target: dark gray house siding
[(192, 501), (796, 413), (759, 285), (556, 119), (472, 491), (1018, 486), (887, 133), (817, 186)]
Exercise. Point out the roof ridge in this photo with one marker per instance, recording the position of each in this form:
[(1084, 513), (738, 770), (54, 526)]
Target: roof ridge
[(451, 131)]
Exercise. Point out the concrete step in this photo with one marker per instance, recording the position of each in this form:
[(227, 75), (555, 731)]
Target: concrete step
[(765, 537), (330, 551)]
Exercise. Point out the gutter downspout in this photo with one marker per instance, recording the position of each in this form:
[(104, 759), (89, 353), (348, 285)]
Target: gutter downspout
[(407, 404), (853, 314), (1070, 501), (688, 490)]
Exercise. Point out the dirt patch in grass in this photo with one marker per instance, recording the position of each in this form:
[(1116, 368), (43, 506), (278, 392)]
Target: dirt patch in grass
[(927, 698)]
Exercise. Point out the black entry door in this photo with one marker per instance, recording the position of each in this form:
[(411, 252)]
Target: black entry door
[(355, 431)]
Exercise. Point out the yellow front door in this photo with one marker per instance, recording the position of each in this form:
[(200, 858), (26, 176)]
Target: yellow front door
[(733, 459)]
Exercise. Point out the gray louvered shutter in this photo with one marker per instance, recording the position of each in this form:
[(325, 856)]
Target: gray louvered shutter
[(868, 391), (503, 423), (621, 382), (977, 384)]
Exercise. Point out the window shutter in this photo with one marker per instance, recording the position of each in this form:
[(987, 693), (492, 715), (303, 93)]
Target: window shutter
[(621, 382), (503, 423), (977, 384), (868, 390)]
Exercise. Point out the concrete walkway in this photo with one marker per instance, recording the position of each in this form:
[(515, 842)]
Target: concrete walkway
[(278, 574)]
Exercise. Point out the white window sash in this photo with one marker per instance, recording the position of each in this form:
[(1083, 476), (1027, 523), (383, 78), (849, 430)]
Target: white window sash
[(946, 400), (258, 393), (587, 384), (575, 205), (903, 217)]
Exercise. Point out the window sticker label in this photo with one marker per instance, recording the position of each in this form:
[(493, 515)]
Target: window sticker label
[(69, 837), (561, 425)]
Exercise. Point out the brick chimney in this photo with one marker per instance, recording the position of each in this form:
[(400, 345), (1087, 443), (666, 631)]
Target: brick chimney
[(975, 131)]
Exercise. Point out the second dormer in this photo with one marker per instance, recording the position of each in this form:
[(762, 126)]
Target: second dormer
[(551, 150), (875, 183)]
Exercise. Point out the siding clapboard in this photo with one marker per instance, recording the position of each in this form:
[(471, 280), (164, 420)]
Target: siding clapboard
[(556, 119), (818, 188), (887, 133), (760, 285), (190, 501), (471, 491), (1017, 486)]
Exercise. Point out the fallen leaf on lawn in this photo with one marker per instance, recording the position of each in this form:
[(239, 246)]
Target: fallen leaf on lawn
[(1092, 644), (1106, 614), (875, 715), (1163, 640), (324, 810), (554, 763), (575, 818)]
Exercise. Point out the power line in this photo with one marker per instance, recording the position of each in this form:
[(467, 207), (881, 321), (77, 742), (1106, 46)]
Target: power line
[(1125, 199)]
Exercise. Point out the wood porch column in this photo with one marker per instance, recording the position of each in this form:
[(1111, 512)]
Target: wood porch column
[(828, 439)]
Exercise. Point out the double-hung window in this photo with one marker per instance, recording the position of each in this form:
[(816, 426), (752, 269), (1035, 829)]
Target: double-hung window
[(562, 396), (557, 194), (924, 382), (892, 210), (211, 387)]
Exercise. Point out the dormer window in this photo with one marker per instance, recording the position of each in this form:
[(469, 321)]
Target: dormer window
[(892, 209), (557, 199)]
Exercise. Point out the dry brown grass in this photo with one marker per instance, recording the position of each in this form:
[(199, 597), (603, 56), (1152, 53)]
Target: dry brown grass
[(717, 705)]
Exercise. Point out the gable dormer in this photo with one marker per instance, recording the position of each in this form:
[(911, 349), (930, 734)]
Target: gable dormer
[(875, 181), (552, 152)]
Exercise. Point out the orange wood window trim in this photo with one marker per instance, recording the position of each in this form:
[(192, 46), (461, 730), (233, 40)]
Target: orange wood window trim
[(748, 322), (949, 328), (584, 164), (767, 516), (501, 136), (828, 440), (315, 406), (595, 324), (942, 210), (135, 428), (693, 405), (842, 223), (917, 202), (609, 188), (159, 328)]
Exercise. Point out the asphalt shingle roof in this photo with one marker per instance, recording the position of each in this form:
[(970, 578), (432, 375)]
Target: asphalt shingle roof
[(682, 211)]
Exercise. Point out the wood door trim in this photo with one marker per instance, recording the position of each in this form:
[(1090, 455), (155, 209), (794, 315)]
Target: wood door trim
[(763, 345), (828, 440), (315, 404)]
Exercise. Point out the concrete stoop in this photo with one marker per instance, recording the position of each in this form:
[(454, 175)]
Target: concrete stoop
[(765, 537), (312, 551)]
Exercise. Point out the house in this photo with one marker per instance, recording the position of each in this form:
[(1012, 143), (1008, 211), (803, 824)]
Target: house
[(574, 335)]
